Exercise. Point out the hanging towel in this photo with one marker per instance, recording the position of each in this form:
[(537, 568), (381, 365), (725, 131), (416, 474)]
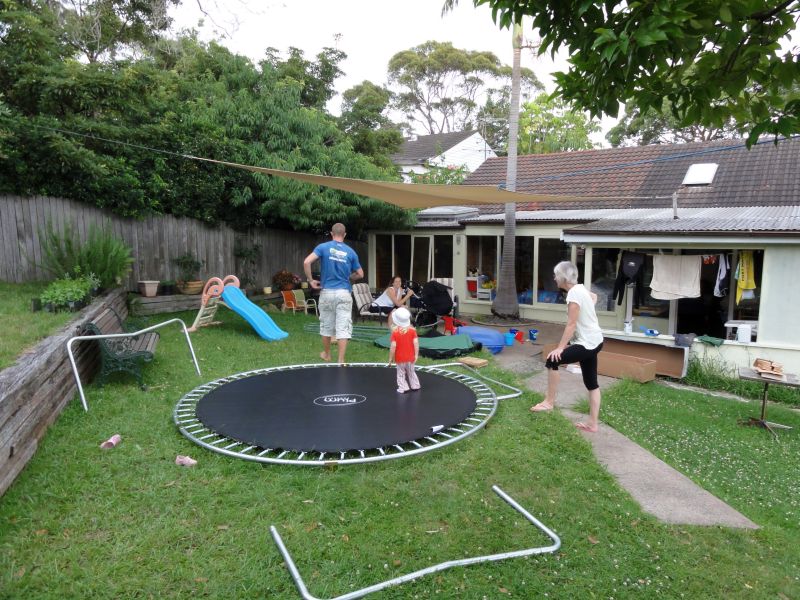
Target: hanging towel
[(723, 275), (745, 276), (675, 277)]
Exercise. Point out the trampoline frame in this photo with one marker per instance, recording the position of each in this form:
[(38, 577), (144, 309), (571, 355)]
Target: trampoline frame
[(186, 419), (553, 547)]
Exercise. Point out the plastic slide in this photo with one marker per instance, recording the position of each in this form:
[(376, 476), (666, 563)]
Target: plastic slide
[(235, 299)]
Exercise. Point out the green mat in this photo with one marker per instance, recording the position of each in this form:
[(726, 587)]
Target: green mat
[(442, 346)]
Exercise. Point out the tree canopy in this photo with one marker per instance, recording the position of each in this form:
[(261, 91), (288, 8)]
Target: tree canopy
[(547, 124), (438, 85), (364, 119), (712, 60), (186, 98)]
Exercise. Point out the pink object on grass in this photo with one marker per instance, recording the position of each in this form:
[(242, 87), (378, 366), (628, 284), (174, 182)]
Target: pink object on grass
[(111, 442), (185, 461)]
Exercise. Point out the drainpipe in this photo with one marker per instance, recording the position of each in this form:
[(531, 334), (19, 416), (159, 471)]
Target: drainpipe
[(675, 204)]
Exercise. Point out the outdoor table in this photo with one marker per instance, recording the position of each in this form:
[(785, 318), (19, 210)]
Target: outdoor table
[(749, 374)]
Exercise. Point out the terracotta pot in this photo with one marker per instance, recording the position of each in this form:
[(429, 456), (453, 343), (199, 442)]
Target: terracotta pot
[(148, 289), (287, 287), (190, 287)]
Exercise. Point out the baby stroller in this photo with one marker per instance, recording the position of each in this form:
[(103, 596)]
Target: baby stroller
[(432, 302)]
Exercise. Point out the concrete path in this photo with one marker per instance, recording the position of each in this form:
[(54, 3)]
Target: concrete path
[(661, 491)]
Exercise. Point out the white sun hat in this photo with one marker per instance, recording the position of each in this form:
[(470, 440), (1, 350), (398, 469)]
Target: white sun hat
[(401, 317)]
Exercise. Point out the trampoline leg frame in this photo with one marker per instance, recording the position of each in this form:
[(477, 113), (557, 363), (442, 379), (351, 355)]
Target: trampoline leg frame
[(515, 392), (301, 586)]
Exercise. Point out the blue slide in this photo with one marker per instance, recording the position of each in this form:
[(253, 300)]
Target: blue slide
[(258, 319)]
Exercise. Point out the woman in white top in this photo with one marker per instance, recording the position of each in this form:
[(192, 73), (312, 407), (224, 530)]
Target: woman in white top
[(581, 342), (392, 297)]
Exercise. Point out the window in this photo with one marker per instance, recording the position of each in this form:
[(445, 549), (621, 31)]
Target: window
[(443, 256), (551, 252), (482, 255), (604, 274), (420, 269), (523, 269), (383, 259)]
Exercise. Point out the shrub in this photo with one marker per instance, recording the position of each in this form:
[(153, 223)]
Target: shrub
[(189, 266), (105, 257), (284, 278), (63, 291)]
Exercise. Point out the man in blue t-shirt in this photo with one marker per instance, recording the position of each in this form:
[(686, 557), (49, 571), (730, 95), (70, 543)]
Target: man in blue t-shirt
[(339, 264)]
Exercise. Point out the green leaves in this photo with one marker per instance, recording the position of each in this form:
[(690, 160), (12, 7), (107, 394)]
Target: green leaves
[(744, 66)]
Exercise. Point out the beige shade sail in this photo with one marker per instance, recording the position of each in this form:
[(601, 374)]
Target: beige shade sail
[(410, 195)]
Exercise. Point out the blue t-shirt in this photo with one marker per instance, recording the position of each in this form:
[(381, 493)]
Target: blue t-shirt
[(338, 261)]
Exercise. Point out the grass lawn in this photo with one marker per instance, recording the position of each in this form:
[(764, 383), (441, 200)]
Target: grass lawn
[(21, 327), (83, 523)]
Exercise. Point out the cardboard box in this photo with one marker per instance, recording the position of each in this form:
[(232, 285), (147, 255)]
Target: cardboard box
[(473, 361), (621, 366)]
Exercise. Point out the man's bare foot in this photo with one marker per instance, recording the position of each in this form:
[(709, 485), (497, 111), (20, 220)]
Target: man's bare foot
[(325, 357), (586, 428), (542, 406)]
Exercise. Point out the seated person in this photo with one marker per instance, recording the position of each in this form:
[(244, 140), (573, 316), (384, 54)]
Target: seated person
[(394, 296)]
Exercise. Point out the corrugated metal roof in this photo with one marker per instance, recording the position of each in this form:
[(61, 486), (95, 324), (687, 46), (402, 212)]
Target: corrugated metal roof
[(783, 219)]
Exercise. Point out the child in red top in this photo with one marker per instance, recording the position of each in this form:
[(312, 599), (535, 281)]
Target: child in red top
[(404, 350)]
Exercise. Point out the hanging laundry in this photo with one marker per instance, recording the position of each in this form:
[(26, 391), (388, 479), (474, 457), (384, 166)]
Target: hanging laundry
[(745, 277), (676, 276), (723, 276), (709, 259), (630, 272)]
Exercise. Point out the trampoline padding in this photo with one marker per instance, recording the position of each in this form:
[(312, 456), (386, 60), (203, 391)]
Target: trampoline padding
[(333, 409)]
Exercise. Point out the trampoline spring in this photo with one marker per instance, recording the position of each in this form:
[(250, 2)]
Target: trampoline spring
[(195, 430), (321, 456), (263, 452), (360, 452), (341, 455), (301, 455), (474, 419), (212, 434), (229, 446), (457, 429), (282, 454), (444, 434), (381, 451), (417, 444), (219, 441), (246, 450), (435, 441), (184, 421), (400, 448)]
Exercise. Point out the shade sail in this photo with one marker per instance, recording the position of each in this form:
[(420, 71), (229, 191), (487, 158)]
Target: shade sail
[(409, 195)]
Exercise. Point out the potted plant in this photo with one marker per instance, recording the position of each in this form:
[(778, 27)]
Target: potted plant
[(189, 267), (167, 287), (285, 280), (148, 288)]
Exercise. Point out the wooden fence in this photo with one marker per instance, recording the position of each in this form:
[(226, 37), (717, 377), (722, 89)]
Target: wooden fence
[(155, 242)]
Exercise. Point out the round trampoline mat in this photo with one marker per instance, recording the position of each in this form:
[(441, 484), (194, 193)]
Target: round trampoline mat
[(315, 411)]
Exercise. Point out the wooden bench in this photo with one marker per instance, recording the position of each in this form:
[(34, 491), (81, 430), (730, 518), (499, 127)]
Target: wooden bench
[(124, 353)]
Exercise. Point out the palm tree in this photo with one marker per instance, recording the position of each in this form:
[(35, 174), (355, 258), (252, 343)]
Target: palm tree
[(505, 304)]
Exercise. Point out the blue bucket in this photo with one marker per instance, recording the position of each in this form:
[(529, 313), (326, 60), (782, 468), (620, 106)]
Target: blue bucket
[(532, 333), (509, 337)]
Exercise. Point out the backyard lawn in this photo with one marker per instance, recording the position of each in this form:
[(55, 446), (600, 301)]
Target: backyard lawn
[(20, 330), (84, 523)]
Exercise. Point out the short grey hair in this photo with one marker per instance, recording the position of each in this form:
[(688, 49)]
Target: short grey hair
[(566, 272)]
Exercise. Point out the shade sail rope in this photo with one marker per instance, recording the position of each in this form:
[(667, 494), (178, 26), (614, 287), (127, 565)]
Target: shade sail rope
[(420, 195)]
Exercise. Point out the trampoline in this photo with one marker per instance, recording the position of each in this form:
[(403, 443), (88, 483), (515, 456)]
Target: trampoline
[(320, 414)]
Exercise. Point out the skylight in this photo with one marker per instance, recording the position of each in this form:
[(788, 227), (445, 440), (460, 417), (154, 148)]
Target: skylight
[(700, 174)]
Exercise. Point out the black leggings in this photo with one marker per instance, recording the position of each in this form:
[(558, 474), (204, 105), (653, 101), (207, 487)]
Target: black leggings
[(575, 353)]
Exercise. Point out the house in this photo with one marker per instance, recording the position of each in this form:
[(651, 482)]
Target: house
[(461, 148), (716, 200)]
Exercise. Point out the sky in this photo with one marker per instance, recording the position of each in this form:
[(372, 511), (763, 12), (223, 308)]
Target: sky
[(370, 32)]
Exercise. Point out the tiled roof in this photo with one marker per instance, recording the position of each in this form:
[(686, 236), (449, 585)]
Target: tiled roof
[(646, 176), (425, 147)]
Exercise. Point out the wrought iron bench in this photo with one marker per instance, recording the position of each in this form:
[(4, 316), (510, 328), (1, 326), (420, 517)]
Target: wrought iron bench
[(121, 349), (126, 354)]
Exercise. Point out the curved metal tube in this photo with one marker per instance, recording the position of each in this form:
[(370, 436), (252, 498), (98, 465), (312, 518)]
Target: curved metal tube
[(515, 391), (301, 586), (121, 335)]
